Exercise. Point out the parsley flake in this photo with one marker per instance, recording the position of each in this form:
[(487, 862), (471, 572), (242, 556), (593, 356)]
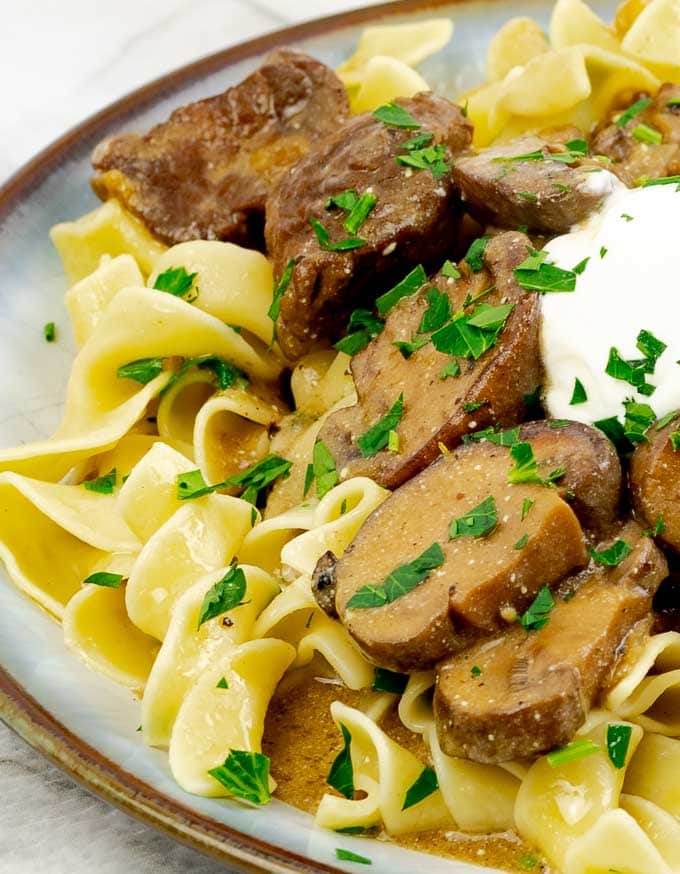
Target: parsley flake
[(389, 681), (645, 133), (103, 485), (525, 468), (450, 270), (346, 200), (324, 239), (362, 327), (452, 368), (322, 470), (377, 437), (613, 555), (430, 158), (143, 370), (399, 582), (222, 683), (109, 581), (438, 312), (522, 542), (359, 213), (255, 478), (246, 775), (341, 774), (408, 286), (538, 614), (618, 740), (424, 786), (349, 856), (224, 595), (674, 440), (280, 288), (578, 396), (572, 752), (633, 110), (527, 504), (474, 256), (394, 115), (535, 273), (493, 435), (176, 281), (478, 522), (475, 671), (50, 332)]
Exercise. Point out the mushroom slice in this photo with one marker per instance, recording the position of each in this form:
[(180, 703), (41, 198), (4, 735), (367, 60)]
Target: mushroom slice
[(440, 407), (527, 691), (655, 482), (592, 480), (508, 541), (510, 186)]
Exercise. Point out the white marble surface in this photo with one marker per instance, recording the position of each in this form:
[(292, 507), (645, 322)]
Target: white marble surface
[(61, 60)]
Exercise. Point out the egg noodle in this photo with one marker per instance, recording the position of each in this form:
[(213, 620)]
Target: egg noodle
[(206, 683)]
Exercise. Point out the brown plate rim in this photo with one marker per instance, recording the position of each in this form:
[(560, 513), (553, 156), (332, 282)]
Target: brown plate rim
[(18, 709)]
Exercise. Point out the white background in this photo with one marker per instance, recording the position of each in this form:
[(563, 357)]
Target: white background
[(60, 61)]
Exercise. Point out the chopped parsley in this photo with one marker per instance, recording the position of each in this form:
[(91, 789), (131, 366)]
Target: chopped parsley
[(637, 421), (473, 407), (527, 195), (341, 774), (618, 740), (527, 504), (626, 217), (662, 180), (280, 288), (419, 141), (50, 332), (362, 327), (394, 115), (346, 200), (581, 266), (222, 683), (424, 786), (525, 468), (408, 286), (475, 671), (535, 273), (522, 542), (635, 371), (645, 133), (432, 158), (324, 239), (451, 368), (143, 370), (572, 752), (574, 151), (471, 335), (349, 856), (399, 582), (613, 555), (474, 256), (408, 347), (478, 522), (578, 396), (224, 595), (359, 212), (389, 681), (176, 281), (252, 480), (104, 485), (633, 110), (393, 442), (493, 435), (450, 270), (603, 251), (666, 420), (538, 614), (377, 437), (675, 440), (226, 374), (659, 528), (438, 312), (246, 775), (528, 861), (109, 581), (322, 470)]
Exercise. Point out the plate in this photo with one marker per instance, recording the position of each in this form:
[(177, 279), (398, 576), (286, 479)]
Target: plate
[(78, 719)]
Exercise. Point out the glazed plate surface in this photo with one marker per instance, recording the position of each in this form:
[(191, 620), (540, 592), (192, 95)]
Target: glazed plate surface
[(80, 720)]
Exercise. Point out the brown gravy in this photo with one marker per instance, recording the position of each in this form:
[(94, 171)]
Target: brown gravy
[(301, 740)]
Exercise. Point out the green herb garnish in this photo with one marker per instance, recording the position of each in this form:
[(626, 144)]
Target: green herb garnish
[(346, 200), (50, 332), (535, 273), (222, 683), (527, 504), (633, 110), (399, 582), (246, 775), (471, 335), (389, 681), (577, 749), (324, 239), (474, 256), (538, 614), (451, 368), (475, 671), (618, 740), (645, 133), (613, 555), (376, 438), (143, 370), (362, 327), (349, 856), (359, 213), (450, 270), (522, 542), (394, 115), (478, 522), (279, 291), (424, 786), (176, 281), (224, 595), (438, 312), (323, 470), (525, 468), (578, 396), (408, 286), (493, 435), (109, 581), (430, 158), (341, 774), (674, 440), (104, 485), (252, 480)]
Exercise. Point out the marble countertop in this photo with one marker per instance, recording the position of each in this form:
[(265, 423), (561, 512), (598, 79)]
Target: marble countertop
[(65, 59)]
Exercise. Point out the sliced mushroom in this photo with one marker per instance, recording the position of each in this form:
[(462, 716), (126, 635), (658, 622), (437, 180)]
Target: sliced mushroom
[(483, 581), (323, 583), (525, 692), (655, 483), (546, 195), (441, 410), (592, 480)]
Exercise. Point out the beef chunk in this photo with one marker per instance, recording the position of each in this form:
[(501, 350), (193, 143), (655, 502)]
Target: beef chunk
[(592, 480), (655, 483), (415, 218), (633, 158), (206, 172), (484, 580), (529, 691), (547, 196), (490, 390)]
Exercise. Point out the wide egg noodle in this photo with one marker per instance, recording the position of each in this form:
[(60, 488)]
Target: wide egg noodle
[(383, 79), (573, 22), (514, 45), (662, 828), (98, 629), (558, 805), (654, 38), (72, 531), (264, 543), (212, 721), (319, 381), (202, 535), (89, 297), (649, 693), (189, 648), (107, 230), (385, 771), (652, 772), (101, 408)]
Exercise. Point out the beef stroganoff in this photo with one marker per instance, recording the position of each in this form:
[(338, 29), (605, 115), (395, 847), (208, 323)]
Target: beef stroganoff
[(368, 477)]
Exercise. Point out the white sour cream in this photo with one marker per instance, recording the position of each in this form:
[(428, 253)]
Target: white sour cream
[(634, 285)]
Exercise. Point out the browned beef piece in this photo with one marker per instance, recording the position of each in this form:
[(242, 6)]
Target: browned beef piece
[(490, 390), (206, 172), (414, 221), (529, 691), (483, 581), (547, 196), (633, 158)]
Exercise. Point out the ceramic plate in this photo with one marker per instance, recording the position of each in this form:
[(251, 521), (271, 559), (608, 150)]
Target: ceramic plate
[(79, 720)]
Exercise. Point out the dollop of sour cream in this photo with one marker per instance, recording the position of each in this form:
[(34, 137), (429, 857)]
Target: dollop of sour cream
[(631, 282)]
